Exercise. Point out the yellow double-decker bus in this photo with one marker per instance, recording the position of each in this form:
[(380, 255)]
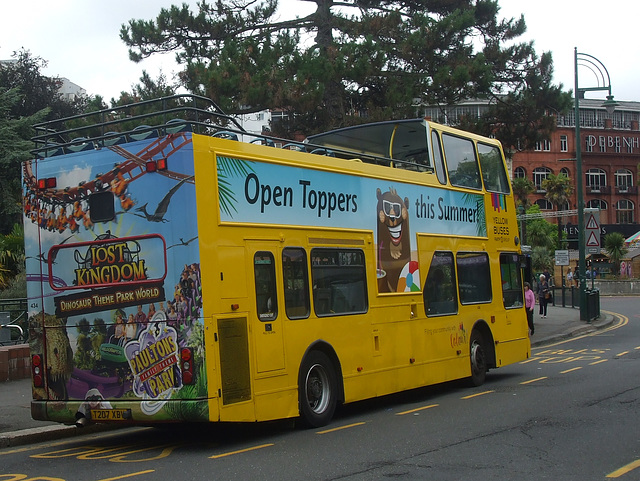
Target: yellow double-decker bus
[(184, 270)]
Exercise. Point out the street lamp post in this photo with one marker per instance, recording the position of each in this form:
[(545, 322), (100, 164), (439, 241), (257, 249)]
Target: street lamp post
[(598, 68)]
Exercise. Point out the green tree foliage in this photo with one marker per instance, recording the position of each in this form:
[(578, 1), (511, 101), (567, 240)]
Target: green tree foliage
[(541, 259), (540, 232), (347, 60), (524, 112), (558, 189), (26, 97), (522, 189), (616, 250)]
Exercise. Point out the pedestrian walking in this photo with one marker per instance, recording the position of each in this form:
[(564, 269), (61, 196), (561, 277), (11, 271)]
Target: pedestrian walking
[(569, 277), (544, 295), (529, 304)]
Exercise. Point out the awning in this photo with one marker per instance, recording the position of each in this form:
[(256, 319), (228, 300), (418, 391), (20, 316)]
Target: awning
[(633, 240)]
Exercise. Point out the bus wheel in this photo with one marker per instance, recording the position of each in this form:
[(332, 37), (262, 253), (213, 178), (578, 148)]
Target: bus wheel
[(478, 359), (317, 390)]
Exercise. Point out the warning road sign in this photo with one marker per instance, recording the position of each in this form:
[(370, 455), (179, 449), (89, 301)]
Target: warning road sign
[(592, 232)]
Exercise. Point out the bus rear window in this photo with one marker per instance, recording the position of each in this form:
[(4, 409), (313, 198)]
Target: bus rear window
[(339, 281)]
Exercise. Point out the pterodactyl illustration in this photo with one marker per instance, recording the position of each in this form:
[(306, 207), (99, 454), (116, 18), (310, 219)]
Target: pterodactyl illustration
[(163, 206), (183, 242)]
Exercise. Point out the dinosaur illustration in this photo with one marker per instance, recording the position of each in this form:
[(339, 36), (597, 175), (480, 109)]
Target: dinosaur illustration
[(59, 355), (163, 206)]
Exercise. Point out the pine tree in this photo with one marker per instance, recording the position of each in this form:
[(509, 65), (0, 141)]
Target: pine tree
[(348, 61)]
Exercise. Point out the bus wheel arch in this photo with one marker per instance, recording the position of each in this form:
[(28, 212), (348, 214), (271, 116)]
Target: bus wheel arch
[(320, 386), (482, 353)]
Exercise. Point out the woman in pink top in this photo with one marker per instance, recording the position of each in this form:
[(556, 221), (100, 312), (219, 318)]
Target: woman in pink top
[(529, 304)]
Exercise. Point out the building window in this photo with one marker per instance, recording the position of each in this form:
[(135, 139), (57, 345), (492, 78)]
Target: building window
[(538, 146), (597, 204), (624, 212), (544, 204), (564, 171), (596, 179), (519, 173), (564, 145), (624, 180), (588, 147), (540, 174), (546, 145)]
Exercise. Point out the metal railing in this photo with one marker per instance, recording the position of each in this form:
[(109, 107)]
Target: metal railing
[(13, 321)]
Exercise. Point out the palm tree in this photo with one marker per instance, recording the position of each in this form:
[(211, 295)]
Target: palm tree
[(559, 188), (616, 249), (522, 188)]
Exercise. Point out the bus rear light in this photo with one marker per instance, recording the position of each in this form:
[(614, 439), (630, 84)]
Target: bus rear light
[(47, 183), (186, 365), (36, 370)]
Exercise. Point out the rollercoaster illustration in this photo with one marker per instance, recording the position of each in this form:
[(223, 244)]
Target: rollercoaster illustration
[(66, 208)]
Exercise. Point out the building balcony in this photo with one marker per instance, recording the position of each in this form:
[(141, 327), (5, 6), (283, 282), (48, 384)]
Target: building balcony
[(598, 189), (627, 189)]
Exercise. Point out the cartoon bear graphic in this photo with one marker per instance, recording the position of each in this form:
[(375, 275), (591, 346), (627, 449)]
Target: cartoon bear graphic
[(394, 238)]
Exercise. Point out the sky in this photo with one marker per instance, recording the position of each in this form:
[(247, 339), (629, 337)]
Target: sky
[(80, 39)]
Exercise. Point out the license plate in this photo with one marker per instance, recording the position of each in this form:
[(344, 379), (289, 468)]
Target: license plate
[(110, 414)]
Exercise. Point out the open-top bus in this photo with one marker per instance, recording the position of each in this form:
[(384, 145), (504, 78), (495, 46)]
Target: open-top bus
[(181, 270)]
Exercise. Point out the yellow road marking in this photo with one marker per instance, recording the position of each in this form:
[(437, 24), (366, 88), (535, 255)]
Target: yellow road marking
[(531, 359), (476, 395), (598, 362), (623, 353), (340, 428), (418, 409), (216, 456), (621, 321), (624, 469), (569, 370), (129, 475), (534, 380)]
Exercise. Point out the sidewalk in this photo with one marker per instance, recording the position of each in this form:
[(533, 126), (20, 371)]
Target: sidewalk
[(17, 427)]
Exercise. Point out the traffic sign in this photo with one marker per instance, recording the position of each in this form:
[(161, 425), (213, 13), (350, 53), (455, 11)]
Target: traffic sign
[(592, 232)]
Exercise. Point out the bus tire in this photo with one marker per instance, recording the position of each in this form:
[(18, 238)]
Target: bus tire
[(478, 358), (317, 390)]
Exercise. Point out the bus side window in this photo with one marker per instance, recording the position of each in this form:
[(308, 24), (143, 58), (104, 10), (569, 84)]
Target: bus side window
[(440, 286), (437, 158), (339, 282), (265, 278), (493, 173), (511, 280), (296, 283), (462, 165), (474, 277)]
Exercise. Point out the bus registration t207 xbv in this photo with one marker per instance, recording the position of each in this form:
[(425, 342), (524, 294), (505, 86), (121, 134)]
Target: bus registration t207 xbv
[(177, 273)]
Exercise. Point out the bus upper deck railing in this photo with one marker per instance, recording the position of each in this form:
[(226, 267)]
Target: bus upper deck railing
[(170, 115)]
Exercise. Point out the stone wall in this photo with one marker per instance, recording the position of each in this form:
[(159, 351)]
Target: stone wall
[(15, 362), (626, 287)]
